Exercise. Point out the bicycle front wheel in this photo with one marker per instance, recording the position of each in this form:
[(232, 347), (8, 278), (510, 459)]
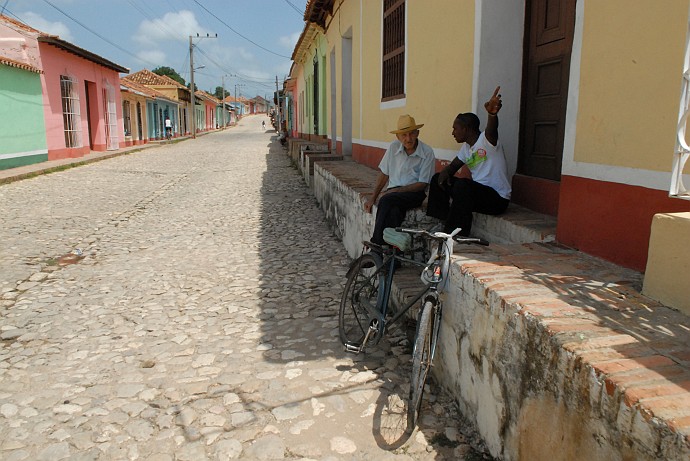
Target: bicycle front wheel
[(364, 287), (421, 362)]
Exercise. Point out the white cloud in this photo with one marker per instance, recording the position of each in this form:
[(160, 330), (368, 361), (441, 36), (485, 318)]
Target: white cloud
[(154, 57), (54, 28), (176, 26), (289, 41)]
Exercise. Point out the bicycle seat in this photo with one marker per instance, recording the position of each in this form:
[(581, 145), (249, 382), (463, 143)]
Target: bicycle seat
[(400, 240)]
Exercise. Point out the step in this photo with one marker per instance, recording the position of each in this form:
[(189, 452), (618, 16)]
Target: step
[(342, 188)]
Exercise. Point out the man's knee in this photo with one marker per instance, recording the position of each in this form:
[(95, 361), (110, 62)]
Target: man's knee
[(461, 186)]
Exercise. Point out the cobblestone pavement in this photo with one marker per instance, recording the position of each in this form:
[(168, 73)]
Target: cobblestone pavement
[(180, 303)]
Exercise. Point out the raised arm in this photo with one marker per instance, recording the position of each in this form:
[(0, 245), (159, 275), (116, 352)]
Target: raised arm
[(493, 106)]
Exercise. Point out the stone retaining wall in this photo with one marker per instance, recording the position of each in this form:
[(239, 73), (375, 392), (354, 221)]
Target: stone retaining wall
[(553, 355)]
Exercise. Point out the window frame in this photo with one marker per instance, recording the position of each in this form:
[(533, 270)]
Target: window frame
[(71, 111), (393, 58), (127, 117)]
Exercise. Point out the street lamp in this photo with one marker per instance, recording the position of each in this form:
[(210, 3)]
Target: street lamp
[(191, 73)]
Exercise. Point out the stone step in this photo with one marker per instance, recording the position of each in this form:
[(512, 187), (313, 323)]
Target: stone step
[(516, 225)]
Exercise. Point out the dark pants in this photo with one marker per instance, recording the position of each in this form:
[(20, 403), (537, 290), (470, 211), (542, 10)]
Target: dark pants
[(391, 211), (467, 196)]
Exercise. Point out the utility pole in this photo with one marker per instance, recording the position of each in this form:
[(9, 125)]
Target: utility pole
[(191, 79), (223, 100), (278, 111), (236, 102)]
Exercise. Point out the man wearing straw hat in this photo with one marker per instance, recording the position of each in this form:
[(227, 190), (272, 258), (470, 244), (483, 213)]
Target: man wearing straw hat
[(405, 172)]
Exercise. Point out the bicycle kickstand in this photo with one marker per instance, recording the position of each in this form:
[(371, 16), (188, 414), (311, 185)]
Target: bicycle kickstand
[(352, 348)]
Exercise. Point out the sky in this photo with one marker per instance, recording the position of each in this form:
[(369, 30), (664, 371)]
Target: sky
[(254, 43)]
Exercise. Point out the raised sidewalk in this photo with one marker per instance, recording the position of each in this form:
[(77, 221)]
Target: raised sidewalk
[(555, 355)]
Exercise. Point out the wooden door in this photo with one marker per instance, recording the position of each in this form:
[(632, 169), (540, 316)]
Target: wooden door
[(549, 41)]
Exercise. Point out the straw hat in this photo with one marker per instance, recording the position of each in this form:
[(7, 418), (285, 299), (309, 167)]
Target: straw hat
[(406, 124)]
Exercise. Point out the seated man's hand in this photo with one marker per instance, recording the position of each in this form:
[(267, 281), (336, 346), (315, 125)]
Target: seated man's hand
[(443, 178), (369, 204)]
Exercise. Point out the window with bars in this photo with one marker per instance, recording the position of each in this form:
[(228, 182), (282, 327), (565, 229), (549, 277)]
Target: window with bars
[(112, 142), (393, 75), (126, 118), (71, 116)]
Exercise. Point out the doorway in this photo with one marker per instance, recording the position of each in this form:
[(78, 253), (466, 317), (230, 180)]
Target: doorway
[(91, 112), (549, 28)]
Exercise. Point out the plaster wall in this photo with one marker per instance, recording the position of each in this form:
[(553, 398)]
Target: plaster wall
[(668, 265), (626, 74), (21, 110), (57, 62), (445, 72)]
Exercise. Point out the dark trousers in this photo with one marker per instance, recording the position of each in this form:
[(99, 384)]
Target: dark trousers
[(467, 196), (391, 211)]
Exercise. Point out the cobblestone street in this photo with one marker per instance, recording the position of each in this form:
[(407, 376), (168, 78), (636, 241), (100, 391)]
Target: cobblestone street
[(180, 303)]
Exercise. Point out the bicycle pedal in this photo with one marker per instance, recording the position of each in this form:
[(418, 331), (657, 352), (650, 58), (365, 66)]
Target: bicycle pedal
[(353, 349)]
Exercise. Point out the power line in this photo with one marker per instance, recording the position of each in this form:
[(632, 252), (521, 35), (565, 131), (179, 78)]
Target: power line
[(165, 30), (99, 35), (233, 74), (246, 38), (301, 13)]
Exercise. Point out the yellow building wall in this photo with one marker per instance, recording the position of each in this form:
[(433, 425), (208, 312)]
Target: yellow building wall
[(666, 277), (630, 78), (433, 97)]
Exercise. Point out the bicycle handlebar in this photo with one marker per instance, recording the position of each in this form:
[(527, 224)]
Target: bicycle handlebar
[(438, 236)]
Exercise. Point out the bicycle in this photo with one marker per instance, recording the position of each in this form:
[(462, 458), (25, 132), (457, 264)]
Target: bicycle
[(363, 316)]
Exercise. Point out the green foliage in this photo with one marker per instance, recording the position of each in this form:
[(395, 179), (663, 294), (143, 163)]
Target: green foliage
[(219, 92), (170, 72)]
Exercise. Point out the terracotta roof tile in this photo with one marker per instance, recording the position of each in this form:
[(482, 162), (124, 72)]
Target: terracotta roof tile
[(146, 77), (21, 26), (147, 91), (19, 65)]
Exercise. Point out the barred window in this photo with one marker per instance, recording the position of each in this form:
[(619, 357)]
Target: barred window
[(110, 117), (70, 111), (126, 118), (393, 76)]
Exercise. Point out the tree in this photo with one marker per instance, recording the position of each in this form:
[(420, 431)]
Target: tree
[(170, 72), (219, 92)]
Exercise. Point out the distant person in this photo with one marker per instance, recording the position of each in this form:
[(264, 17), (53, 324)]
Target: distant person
[(488, 190), (404, 172), (168, 127), (263, 125)]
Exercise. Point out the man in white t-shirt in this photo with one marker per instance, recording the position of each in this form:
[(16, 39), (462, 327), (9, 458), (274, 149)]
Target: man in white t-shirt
[(168, 127), (405, 171), (488, 190)]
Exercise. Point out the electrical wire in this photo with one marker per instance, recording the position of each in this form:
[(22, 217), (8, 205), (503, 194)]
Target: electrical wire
[(99, 35), (246, 38), (301, 13), (165, 30)]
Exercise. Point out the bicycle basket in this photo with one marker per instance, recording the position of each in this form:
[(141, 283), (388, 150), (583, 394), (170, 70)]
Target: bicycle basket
[(401, 240)]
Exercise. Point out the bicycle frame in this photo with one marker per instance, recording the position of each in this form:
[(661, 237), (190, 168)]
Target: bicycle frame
[(377, 319)]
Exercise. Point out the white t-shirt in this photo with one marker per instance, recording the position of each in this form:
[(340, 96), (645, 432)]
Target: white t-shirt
[(168, 123), (487, 164), (403, 169)]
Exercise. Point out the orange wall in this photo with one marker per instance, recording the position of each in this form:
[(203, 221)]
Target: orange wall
[(611, 220)]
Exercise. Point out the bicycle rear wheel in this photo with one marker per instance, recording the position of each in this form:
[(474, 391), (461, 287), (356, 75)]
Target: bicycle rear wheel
[(364, 287), (421, 362)]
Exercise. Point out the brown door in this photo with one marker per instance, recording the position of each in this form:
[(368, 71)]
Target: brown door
[(549, 41)]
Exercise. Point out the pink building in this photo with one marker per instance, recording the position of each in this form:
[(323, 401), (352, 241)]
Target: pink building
[(81, 90)]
